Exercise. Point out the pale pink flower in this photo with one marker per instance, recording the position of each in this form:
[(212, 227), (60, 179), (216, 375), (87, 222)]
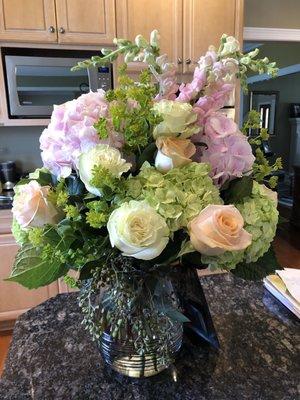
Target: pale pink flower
[(31, 207), (167, 79), (230, 156), (190, 90), (71, 132), (217, 125), (218, 229)]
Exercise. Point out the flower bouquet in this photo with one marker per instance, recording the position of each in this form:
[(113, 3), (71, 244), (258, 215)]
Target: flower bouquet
[(140, 179)]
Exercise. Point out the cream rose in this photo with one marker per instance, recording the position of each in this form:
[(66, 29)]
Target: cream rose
[(173, 152), (31, 208), (101, 155), (218, 229), (138, 230), (179, 119)]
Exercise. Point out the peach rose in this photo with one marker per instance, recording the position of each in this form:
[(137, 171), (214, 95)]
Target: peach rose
[(173, 152), (218, 229), (31, 207)]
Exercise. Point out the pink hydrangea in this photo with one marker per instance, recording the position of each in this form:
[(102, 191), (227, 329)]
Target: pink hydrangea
[(71, 132), (230, 157), (217, 125)]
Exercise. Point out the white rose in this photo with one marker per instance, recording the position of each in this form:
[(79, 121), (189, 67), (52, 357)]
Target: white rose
[(138, 230), (31, 207), (179, 119), (230, 46), (101, 155)]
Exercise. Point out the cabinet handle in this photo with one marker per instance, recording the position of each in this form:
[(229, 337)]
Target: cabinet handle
[(188, 61), (51, 29), (179, 61), (62, 30)]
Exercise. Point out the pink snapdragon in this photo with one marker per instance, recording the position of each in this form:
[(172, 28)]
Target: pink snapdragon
[(167, 79), (188, 91), (71, 132)]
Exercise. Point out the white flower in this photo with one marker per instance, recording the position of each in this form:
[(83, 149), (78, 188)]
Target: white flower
[(230, 46), (101, 155), (179, 119), (138, 230), (154, 38)]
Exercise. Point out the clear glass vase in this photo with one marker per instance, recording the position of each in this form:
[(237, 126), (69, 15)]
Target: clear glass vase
[(149, 334), (122, 353), (122, 356)]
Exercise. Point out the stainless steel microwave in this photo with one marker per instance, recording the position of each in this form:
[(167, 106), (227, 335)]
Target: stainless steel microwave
[(36, 79)]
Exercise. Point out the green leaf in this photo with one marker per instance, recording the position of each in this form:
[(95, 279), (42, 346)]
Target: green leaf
[(192, 259), (74, 185), (31, 271), (266, 265), (237, 190), (147, 155)]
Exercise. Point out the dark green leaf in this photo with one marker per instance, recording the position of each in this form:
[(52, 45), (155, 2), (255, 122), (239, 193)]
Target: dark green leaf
[(237, 190), (31, 271), (147, 155), (192, 259), (266, 265), (74, 185)]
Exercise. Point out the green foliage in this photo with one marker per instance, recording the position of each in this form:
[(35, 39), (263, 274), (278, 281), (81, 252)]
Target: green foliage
[(264, 266), (262, 168), (101, 128), (32, 270), (238, 189), (20, 234), (178, 196)]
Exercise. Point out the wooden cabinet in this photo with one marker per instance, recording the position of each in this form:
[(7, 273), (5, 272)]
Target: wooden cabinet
[(58, 21), (141, 17), (14, 299), (187, 27), (85, 21), (204, 22), (28, 21)]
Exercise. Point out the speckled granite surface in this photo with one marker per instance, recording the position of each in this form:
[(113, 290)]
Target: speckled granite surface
[(52, 357)]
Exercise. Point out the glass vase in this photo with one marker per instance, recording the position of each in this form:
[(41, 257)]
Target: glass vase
[(122, 353), (138, 328)]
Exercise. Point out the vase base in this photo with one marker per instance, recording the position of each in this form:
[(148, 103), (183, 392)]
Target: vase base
[(122, 357)]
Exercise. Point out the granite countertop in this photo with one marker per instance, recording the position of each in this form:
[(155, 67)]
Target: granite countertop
[(52, 357)]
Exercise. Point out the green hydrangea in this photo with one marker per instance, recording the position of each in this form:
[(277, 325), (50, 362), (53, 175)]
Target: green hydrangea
[(260, 217), (179, 195), (20, 234)]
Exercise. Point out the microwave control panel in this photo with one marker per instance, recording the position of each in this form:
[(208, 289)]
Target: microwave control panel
[(100, 78)]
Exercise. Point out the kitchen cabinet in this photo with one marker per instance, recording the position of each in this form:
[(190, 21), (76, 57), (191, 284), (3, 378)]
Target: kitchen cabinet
[(204, 22), (88, 22), (187, 27), (28, 21), (14, 299), (141, 17)]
